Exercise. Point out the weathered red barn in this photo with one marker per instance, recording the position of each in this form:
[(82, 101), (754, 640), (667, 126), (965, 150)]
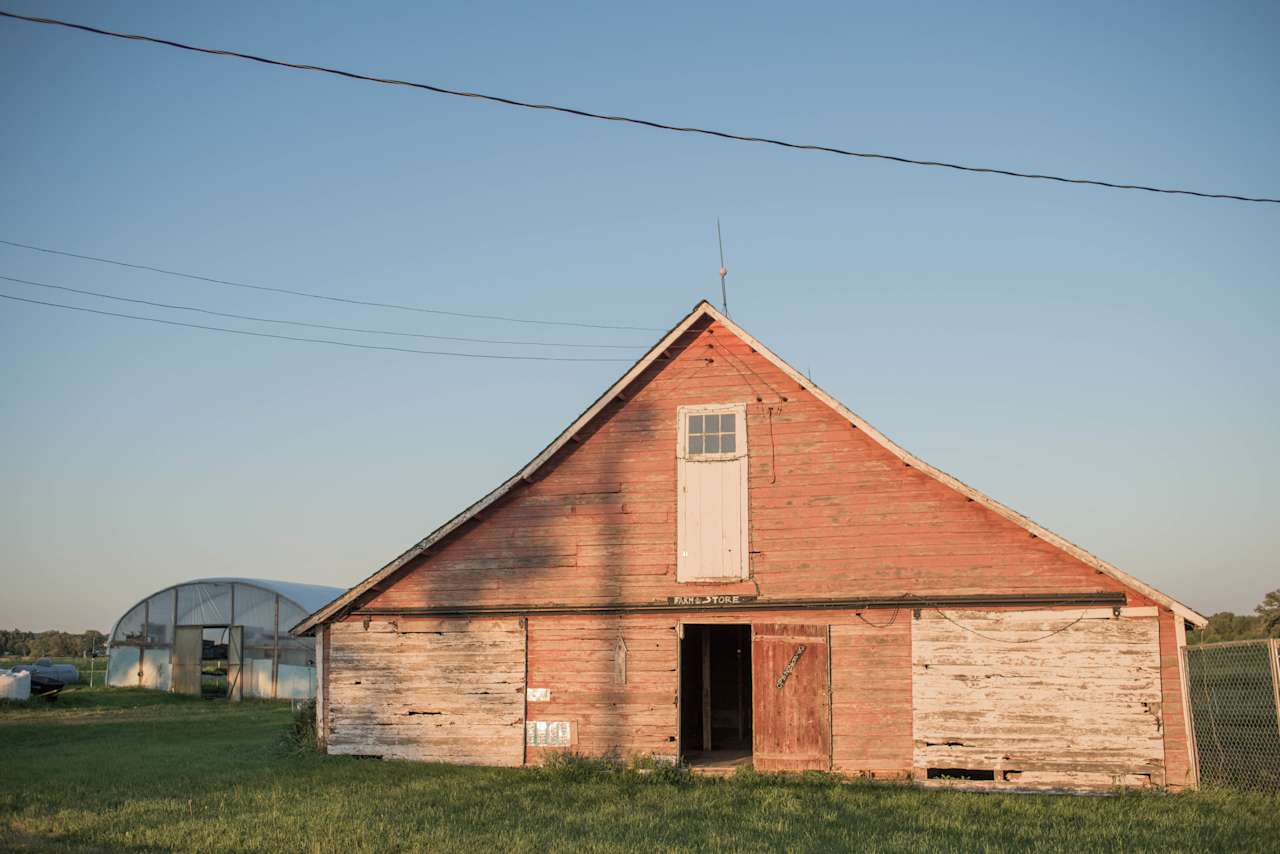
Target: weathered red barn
[(717, 562)]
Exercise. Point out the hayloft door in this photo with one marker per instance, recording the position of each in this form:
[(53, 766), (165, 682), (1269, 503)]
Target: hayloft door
[(791, 695), (711, 520)]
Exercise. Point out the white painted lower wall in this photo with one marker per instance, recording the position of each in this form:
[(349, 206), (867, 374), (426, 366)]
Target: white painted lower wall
[(1054, 699)]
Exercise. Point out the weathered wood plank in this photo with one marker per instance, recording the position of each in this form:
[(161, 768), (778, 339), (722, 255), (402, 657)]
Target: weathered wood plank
[(447, 690), (1050, 699)]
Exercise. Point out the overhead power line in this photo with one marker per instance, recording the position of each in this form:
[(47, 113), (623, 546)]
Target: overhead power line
[(358, 329), (328, 297), (586, 114), (328, 341)]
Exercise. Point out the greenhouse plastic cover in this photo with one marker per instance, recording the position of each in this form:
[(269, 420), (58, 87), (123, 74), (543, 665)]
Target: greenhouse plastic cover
[(312, 597), (208, 605), (15, 686)]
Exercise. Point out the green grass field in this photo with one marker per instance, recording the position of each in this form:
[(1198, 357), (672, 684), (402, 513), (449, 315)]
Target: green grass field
[(123, 769)]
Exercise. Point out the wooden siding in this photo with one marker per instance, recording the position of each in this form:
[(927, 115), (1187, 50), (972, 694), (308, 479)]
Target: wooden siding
[(1177, 753), (434, 690), (322, 680), (575, 659), (871, 695), (831, 512), (1039, 698)]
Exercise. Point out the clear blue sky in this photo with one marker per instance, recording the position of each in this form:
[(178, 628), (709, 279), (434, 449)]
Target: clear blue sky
[(1103, 361)]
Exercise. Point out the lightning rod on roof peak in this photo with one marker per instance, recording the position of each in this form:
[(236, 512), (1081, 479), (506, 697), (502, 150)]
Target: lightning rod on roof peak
[(724, 297)]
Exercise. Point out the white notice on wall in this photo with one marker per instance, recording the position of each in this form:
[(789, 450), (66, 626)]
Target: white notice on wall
[(538, 695), (547, 733)]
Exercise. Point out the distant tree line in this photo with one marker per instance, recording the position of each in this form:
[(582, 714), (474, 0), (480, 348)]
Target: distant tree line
[(1226, 626), (52, 644)]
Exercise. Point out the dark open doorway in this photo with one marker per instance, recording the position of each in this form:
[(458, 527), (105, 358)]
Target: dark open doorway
[(715, 695)]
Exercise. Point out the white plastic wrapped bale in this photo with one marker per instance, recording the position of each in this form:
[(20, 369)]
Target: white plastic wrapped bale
[(15, 686)]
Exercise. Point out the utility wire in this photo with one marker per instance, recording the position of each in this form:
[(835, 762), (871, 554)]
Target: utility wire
[(329, 298), (511, 102), (311, 325), (1006, 640), (311, 340)]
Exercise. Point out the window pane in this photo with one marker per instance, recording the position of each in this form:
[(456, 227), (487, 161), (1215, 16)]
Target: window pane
[(130, 626), (727, 442), (726, 423), (161, 622), (695, 424), (204, 604), (709, 423), (695, 444), (712, 444)]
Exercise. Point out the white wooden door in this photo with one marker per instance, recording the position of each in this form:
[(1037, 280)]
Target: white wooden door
[(713, 520), (712, 512)]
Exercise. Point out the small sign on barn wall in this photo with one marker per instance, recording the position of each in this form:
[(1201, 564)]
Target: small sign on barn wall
[(620, 661), (699, 601), (537, 695), (547, 733)]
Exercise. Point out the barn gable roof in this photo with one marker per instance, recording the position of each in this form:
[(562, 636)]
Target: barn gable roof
[(705, 310)]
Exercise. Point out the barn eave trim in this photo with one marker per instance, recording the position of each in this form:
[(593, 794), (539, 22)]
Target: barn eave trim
[(1114, 599)]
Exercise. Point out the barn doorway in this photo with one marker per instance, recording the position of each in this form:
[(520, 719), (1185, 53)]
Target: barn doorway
[(715, 696)]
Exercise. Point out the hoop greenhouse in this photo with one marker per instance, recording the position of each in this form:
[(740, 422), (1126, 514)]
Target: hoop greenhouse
[(219, 637)]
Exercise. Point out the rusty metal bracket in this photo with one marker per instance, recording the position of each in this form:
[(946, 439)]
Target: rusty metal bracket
[(791, 665)]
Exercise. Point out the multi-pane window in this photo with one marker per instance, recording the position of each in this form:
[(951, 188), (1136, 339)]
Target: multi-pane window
[(712, 433)]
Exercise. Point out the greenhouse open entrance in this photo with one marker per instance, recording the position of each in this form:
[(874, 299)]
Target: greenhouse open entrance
[(208, 661)]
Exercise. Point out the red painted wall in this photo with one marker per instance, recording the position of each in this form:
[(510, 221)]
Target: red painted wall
[(831, 512)]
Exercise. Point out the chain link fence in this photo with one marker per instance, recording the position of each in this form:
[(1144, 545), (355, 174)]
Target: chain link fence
[(1234, 690)]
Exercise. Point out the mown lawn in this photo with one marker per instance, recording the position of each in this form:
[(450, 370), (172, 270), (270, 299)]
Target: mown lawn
[(113, 769)]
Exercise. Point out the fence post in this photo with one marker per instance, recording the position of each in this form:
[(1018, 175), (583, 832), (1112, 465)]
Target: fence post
[(1273, 647)]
